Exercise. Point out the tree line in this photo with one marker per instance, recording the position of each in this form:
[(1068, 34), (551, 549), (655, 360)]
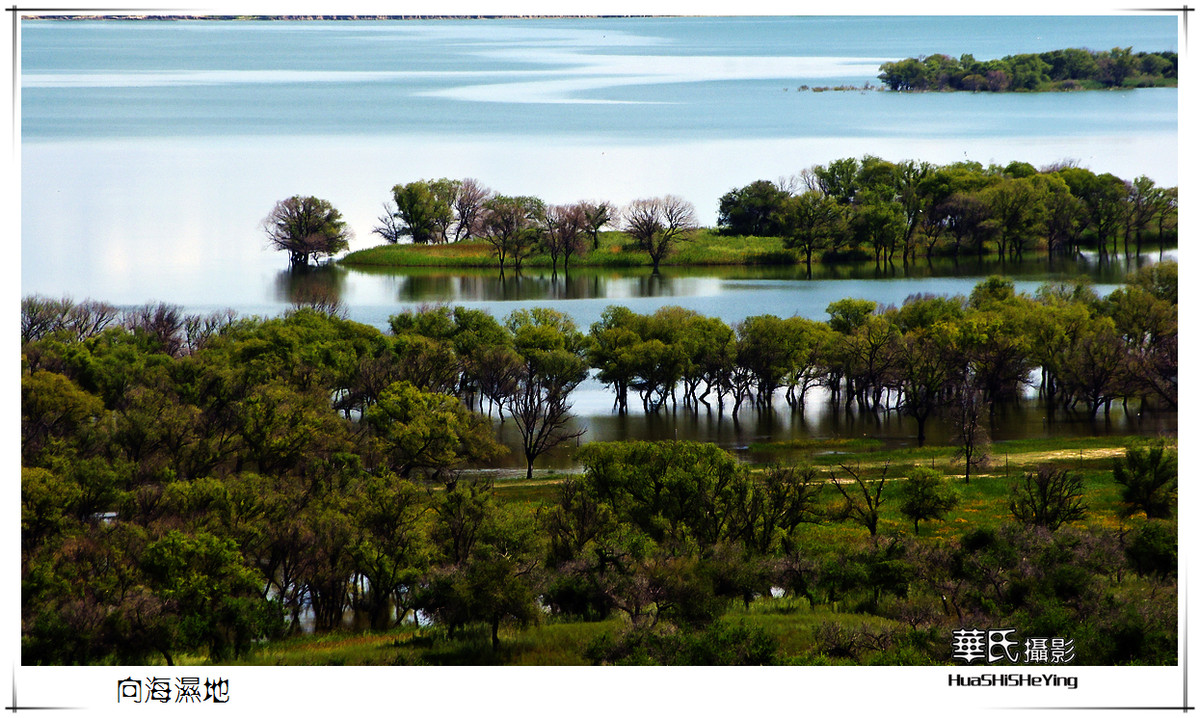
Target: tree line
[(194, 484), (516, 227), (853, 206), (1068, 69), (850, 208)]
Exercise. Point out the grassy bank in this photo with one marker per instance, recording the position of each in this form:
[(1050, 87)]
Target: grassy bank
[(706, 248), (984, 502)]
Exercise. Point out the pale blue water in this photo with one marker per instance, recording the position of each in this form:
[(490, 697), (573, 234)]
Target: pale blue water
[(693, 77), (152, 150)]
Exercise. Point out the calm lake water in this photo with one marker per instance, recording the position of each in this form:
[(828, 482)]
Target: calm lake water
[(151, 151)]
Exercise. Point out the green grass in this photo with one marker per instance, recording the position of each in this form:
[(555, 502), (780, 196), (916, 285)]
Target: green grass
[(549, 643), (706, 248), (791, 621)]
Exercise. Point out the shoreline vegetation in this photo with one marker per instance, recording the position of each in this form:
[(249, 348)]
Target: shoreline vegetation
[(201, 490), (1055, 71), (851, 209)]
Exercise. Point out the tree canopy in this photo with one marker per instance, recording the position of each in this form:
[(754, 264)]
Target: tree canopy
[(306, 227)]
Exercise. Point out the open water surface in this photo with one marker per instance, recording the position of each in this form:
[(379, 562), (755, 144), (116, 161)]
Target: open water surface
[(151, 151)]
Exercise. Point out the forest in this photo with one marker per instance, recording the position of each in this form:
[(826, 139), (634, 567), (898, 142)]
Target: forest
[(1057, 70), (200, 488)]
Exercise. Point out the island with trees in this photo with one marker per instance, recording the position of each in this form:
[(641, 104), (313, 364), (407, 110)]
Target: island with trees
[(1057, 70), (208, 489), (849, 209)]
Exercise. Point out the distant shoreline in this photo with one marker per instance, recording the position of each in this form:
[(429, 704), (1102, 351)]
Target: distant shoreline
[(272, 18)]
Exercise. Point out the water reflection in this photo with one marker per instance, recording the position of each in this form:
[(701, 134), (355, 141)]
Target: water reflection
[(821, 418), (321, 286), (443, 284)]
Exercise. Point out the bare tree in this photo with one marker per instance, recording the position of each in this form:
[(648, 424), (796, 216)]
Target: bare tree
[(1048, 497), (41, 316), (198, 329), (968, 426), (539, 404), (865, 511), (390, 228), (658, 224), (166, 323), (468, 204), (509, 224), (563, 235)]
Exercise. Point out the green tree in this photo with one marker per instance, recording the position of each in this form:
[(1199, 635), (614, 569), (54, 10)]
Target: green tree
[(392, 550), (878, 223), (490, 568), (612, 351), (1148, 476), (54, 411), (1017, 210), (846, 315), (752, 210), (686, 496), (597, 216), (553, 351), (1143, 204), (306, 227), (966, 218), (763, 349), (838, 180), (1154, 549), (929, 363), (807, 222), (424, 209), (213, 596), (428, 432), (1116, 65), (925, 496)]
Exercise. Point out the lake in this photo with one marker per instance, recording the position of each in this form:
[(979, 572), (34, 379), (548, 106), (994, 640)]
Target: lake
[(151, 151)]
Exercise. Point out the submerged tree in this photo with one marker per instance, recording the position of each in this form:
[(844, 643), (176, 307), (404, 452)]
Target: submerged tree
[(306, 227)]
